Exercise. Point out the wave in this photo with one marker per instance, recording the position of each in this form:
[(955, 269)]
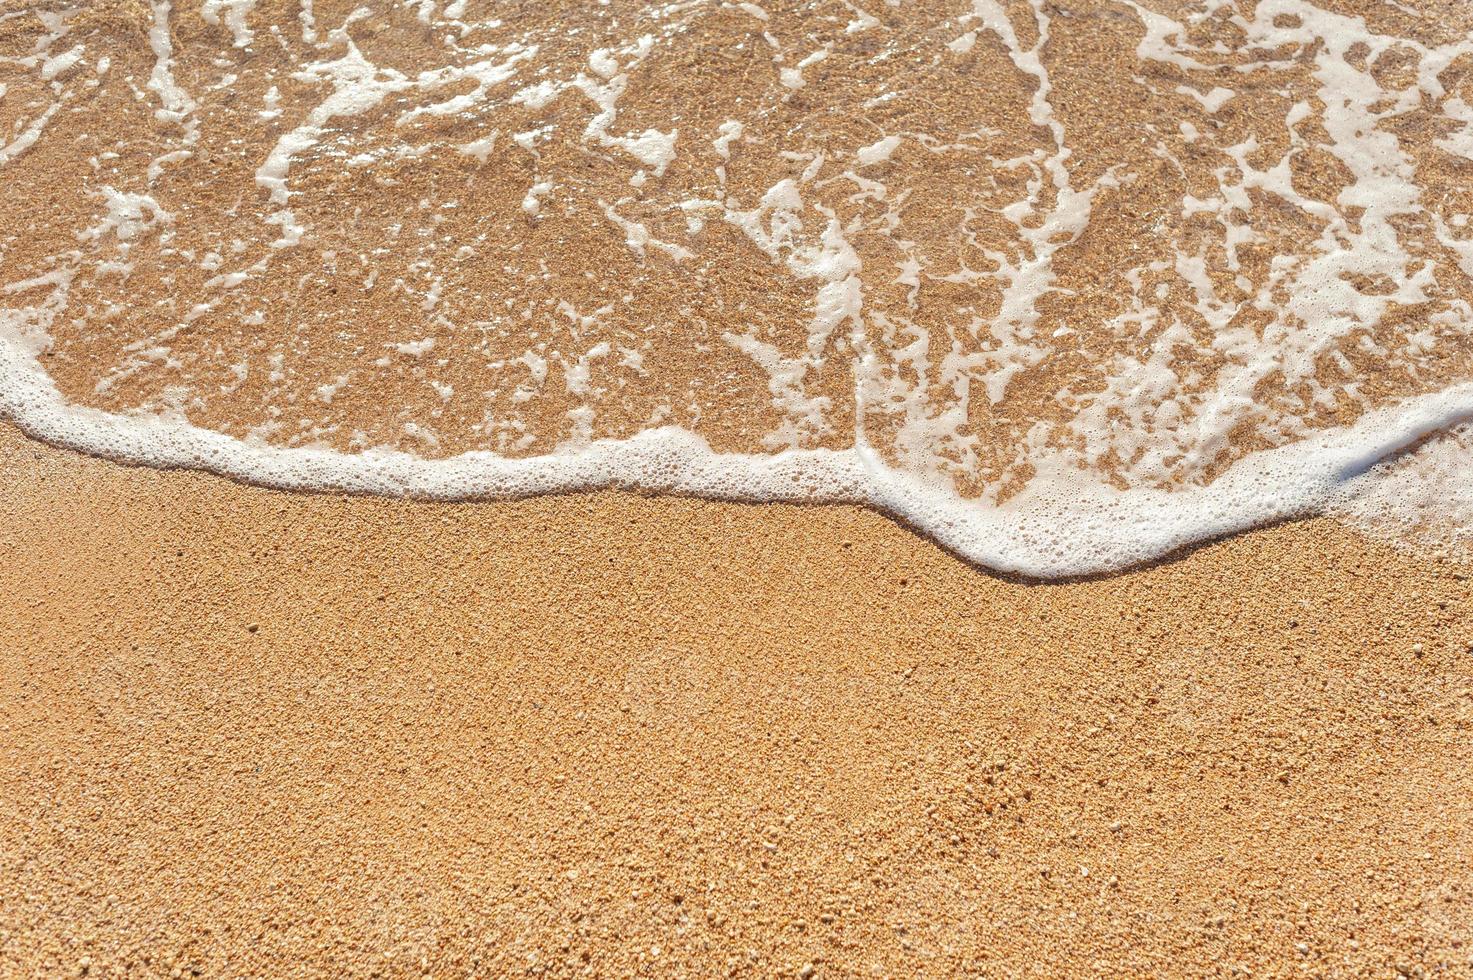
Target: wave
[(1066, 291)]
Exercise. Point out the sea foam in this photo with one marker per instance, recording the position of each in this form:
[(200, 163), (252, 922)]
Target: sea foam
[(446, 257), (1056, 528)]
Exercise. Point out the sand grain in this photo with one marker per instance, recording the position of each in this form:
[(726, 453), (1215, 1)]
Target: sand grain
[(247, 732)]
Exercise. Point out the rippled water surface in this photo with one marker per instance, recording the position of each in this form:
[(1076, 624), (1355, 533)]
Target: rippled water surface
[(1066, 283)]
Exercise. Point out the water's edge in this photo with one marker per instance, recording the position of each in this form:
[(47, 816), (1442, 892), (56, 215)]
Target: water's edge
[(1054, 529)]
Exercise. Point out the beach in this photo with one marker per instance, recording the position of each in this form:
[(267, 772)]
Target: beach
[(799, 488), (248, 732)]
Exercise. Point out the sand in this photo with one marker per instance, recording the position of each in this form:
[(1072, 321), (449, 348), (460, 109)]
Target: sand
[(246, 732), (249, 733)]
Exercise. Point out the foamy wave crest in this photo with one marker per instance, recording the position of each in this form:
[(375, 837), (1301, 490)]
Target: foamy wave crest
[(1065, 290), (1420, 500), (1053, 529)]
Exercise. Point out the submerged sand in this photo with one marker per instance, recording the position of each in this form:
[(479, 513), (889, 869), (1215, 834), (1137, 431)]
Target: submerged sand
[(246, 732), (999, 247)]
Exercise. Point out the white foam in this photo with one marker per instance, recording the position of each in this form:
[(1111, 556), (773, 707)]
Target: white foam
[(1169, 430), (481, 148), (532, 202), (177, 105), (730, 131), (61, 63), (234, 14), (415, 348), (877, 152), (638, 237), (1056, 528), (652, 148), (1422, 499), (27, 137)]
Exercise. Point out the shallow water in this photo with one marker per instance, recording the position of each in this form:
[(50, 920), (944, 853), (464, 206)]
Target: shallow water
[(1067, 285)]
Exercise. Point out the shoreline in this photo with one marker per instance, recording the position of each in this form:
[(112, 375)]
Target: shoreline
[(1307, 476), (254, 731)]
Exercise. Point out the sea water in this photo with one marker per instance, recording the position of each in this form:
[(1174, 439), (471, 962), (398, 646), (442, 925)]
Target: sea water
[(1066, 285)]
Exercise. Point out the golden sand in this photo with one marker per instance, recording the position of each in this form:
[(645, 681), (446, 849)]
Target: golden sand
[(252, 733), (249, 733)]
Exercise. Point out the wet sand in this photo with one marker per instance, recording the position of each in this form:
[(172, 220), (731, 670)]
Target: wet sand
[(246, 732)]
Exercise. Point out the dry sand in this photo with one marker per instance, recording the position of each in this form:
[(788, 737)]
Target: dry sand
[(253, 733)]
